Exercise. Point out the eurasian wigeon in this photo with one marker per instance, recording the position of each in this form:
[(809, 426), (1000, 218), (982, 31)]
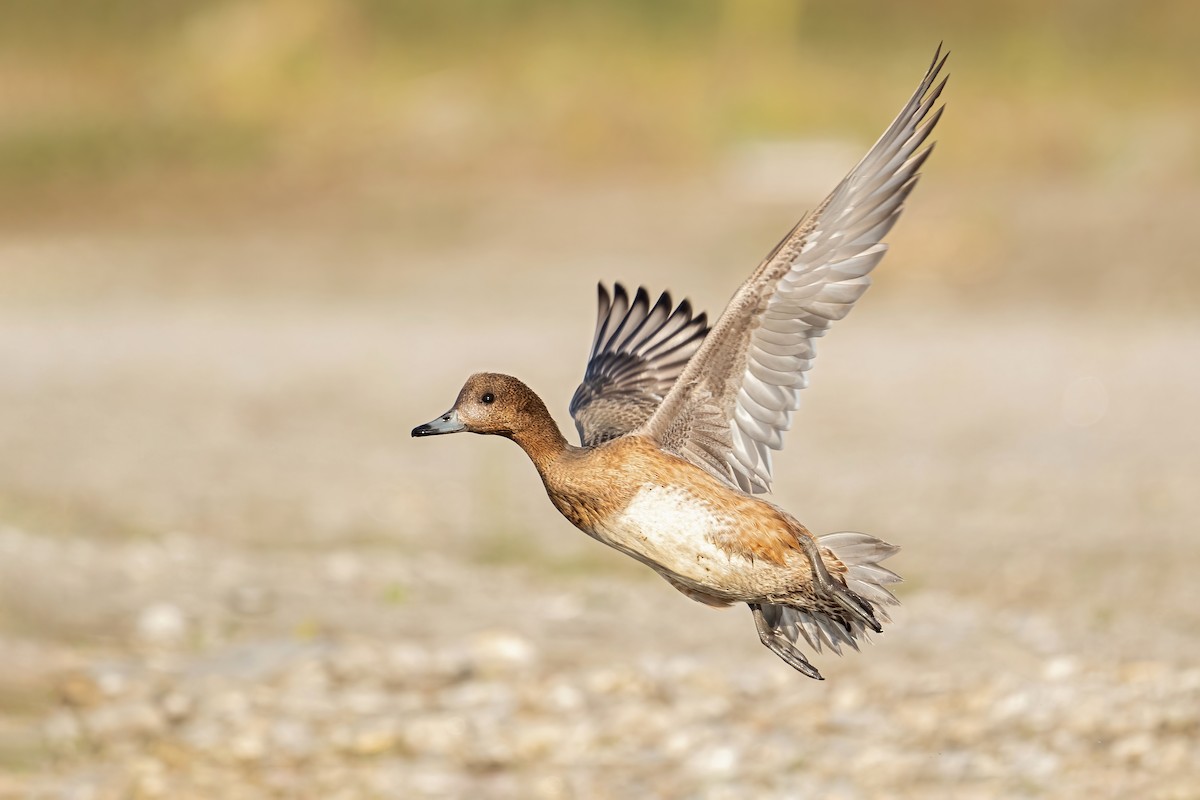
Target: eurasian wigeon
[(677, 421)]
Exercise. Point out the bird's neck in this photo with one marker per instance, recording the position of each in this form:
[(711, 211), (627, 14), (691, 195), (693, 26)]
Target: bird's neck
[(541, 439)]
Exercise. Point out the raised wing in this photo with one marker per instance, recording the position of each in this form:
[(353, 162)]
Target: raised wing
[(637, 353), (735, 399)]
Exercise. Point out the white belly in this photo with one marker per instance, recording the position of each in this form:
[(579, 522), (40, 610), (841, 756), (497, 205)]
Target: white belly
[(673, 530)]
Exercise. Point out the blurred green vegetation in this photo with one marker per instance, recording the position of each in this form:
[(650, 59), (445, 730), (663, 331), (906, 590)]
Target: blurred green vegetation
[(102, 92)]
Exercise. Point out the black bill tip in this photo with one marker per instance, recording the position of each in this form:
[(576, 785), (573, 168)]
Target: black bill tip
[(446, 423)]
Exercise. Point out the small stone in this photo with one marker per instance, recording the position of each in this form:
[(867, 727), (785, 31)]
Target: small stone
[(353, 662), (375, 737), (231, 704), (1174, 754), (363, 702), (1015, 704), (534, 743), (442, 735), (563, 696), (714, 762), (80, 690), (406, 663), (450, 664), (343, 568), (1188, 680), (176, 706), (251, 601), (62, 731), (124, 720), (292, 738), (1059, 668), (1142, 671), (1133, 748), (112, 683), (248, 746), (305, 680), (563, 608), (493, 695), (848, 698), (550, 787), (679, 743), (149, 779), (162, 625), (501, 653), (436, 782)]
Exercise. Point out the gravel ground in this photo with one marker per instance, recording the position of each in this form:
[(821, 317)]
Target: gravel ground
[(226, 571), (524, 690)]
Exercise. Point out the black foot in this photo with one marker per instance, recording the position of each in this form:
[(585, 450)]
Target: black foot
[(780, 646), (857, 606), (840, 593)]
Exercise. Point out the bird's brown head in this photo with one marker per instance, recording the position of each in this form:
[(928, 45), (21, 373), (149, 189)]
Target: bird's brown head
[(490, 403)]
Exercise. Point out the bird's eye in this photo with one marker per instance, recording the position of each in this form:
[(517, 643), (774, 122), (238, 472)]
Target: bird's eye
[(488, 399)]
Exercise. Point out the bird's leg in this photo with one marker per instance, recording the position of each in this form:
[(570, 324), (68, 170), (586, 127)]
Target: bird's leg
[(837, 590), (780, 646)]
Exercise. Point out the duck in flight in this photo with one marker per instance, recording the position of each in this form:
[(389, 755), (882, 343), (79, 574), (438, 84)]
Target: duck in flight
[(677, 421)]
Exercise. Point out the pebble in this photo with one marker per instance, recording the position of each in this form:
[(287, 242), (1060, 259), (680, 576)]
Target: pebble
[(343, 568), (718, 761), (364, 722), (415, 710), (251, 601), (374, 737), (292, 738), (176, 706), (443, 735), (62, 730), (501, 653), (162, 625), (248, 745)]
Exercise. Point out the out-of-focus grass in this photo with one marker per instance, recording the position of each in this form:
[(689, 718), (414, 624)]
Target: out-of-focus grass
[(110, 148), (1068, 158), (102, 91)]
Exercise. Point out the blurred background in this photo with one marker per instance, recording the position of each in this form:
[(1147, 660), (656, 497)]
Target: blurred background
[(246, 245)]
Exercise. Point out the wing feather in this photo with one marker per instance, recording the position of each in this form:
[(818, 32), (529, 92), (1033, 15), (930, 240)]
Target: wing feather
[(638, 350), (732, 403)]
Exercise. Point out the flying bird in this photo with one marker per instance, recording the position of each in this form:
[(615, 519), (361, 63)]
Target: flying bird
[(677, 421)]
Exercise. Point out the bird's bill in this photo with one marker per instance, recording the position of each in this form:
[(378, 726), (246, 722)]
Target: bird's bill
[(446, 423)]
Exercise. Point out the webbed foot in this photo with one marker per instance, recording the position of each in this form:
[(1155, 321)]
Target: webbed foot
[(779, 644)]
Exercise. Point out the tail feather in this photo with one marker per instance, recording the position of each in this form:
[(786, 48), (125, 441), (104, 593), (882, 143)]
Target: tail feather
[(861, 555)]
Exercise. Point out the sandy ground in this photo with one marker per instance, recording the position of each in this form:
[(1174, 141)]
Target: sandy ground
[(227, 571)]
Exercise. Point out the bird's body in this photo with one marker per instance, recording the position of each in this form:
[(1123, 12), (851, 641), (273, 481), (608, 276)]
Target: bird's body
[(677, 421), (677, 519)]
